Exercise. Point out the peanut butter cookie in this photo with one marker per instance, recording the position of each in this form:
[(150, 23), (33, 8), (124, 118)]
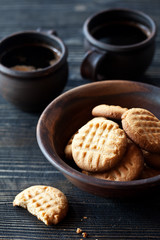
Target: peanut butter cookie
[(98, 145), (143, 128), (108, 111), (129, 168), (48, 204)]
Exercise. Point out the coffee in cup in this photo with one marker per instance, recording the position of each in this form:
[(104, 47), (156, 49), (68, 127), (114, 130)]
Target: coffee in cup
[(119, 44)]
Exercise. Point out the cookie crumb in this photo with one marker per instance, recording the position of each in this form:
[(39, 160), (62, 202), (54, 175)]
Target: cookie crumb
[(84, 234), (78, 230)]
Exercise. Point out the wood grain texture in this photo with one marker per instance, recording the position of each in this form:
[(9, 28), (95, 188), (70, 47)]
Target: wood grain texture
[(21, 161)]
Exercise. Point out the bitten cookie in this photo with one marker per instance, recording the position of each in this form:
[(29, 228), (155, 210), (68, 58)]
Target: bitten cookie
[(128, 169), (143, 128), (98, 145), (108, 111), (48, 204)]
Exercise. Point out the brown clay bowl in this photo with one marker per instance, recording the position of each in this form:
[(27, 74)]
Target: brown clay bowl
[(71, 110)]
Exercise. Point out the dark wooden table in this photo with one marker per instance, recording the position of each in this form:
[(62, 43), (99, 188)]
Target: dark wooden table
[(21, 161)]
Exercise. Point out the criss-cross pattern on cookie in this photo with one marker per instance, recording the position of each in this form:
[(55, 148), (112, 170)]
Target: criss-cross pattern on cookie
[(98, 145), (47, 203), (143, 128), (129, 168)]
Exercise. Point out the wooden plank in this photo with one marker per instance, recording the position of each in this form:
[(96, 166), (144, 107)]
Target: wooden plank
[(21, 161)]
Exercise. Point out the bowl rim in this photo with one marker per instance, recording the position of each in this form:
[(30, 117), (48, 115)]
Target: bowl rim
[(64, 168)]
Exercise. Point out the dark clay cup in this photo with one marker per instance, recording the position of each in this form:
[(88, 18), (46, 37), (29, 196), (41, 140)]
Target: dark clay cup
[(119, 44), (32, 90)]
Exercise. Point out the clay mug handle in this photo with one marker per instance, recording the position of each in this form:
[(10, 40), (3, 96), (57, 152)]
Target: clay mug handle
[(50, 31), (90, 64)]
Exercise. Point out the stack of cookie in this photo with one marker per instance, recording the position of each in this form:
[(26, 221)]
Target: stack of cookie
[(118, 144)]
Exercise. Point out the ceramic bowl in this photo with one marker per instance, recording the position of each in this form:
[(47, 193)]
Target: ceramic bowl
[(68, 112)]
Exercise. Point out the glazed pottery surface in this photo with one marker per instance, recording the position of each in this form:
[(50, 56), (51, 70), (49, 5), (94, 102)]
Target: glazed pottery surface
[(119, 44), (32, 90)]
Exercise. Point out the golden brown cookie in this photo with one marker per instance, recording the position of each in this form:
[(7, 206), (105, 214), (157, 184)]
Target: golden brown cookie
[(98, 145), (108, 111), (143, 128), (48, 204), (149, 172), (152, 159), (68, 148), (129, 168)]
